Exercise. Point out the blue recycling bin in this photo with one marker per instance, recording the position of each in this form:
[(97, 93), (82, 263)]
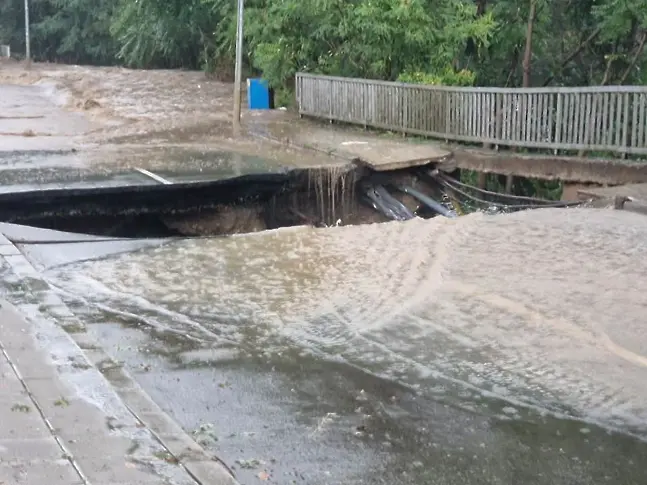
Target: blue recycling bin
[(259, 94)]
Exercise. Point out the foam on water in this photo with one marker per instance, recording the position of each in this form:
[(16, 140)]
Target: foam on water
[(542, 308)]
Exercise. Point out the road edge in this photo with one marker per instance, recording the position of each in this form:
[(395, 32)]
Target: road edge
[(203, 467)]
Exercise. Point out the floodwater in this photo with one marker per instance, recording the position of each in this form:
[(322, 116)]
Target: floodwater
[(480, 350)]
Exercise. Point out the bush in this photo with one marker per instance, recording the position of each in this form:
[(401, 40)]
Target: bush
[(449, 77)]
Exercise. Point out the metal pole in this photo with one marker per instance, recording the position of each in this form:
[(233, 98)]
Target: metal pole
[(239, 65), (27, 43)]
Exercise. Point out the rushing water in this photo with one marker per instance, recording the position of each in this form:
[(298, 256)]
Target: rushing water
[(529, 314)]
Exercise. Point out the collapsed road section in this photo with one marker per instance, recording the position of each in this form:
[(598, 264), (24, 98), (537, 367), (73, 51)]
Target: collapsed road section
[(157, 206), (147, 204)]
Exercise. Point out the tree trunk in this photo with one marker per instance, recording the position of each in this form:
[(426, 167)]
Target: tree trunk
[(573, 54), (634, 59), (527, 56), (527, 61)]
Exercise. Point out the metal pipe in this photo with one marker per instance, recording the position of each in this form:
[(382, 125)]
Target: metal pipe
[(429, 202), (387, 204), (401, 210)]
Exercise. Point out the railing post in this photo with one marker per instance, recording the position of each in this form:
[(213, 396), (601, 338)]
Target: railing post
[(558, 121), (448, 111), (625, 124), (405, 110), (330, 101), (297, 82)]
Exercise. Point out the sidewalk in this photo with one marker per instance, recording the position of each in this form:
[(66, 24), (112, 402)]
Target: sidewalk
[(68, 414)]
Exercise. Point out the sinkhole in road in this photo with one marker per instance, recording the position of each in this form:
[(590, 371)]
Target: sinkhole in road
[(319, 197)]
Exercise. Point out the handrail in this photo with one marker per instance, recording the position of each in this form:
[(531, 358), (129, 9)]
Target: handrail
[(589, 118)]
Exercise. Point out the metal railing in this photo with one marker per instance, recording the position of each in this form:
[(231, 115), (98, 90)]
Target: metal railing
[(595, 118)]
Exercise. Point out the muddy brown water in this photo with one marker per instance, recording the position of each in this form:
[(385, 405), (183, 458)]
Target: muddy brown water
[(487, 349)]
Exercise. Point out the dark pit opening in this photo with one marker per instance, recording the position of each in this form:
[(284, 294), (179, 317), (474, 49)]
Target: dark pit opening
[(251, 203)]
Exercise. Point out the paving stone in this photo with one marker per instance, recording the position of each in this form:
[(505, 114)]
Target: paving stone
[(73, 417), (184, 448), (98, 444), (24, 450), (20, 419), (161, 423), (23, 269), (9, 250), (14, 334), (138, 401), (117, 470), (10, 385), (59, 472), (211, 473), (30, 362)]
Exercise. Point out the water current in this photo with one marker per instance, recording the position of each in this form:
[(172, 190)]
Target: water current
[(539, 312)]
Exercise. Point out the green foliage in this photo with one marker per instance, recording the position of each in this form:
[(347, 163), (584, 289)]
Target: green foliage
[(448, 77), (365, 38), (166, 33), (76, 31), (482, 41)]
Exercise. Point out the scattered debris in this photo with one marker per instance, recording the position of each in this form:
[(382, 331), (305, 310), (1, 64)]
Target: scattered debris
[(21, 408), (205, 435), (249, 464), (61, 402), (263, 476), (166, 456)]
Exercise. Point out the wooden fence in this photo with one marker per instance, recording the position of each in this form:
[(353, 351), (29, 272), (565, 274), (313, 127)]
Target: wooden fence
[(595, 118)]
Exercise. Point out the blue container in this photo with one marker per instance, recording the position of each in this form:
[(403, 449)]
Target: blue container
[(259, 94)]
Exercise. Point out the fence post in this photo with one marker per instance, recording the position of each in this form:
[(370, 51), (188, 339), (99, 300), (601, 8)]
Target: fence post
[(405, 109), (625, 124), (448, 112), (330, 101), (297, 82), (558, 121)]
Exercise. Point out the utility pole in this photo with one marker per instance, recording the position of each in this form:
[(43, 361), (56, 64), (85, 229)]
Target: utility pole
[(239, 66), (27, 43)]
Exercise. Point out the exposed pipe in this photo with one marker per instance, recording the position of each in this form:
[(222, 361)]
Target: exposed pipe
[(401, 209), (429, 202), (384, 202)]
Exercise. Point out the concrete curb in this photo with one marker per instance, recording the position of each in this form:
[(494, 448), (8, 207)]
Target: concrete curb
[(204, 468)]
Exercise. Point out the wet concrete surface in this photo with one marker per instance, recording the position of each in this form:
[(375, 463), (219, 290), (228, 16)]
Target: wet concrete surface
[(380, 153), (257, 346)]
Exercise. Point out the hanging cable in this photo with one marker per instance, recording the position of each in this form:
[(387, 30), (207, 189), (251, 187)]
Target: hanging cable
[(450, 180), (507, 206)]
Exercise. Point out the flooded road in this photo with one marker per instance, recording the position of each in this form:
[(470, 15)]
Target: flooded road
[(485, 349)]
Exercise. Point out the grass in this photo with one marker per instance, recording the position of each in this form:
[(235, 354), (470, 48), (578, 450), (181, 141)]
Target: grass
[(61, 402)]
